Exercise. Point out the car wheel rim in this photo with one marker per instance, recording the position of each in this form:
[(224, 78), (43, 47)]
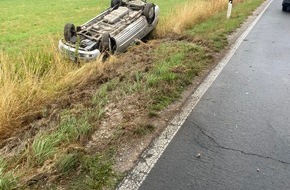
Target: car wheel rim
[(151, 13)]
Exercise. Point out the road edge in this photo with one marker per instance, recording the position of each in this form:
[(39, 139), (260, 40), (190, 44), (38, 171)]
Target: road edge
[(148, 159)]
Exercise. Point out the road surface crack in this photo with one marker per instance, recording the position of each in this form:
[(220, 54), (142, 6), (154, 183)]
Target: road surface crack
[(237, 150)]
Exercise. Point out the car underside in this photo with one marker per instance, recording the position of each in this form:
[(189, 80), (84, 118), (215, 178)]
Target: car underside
[(111, 31), (285, 5)]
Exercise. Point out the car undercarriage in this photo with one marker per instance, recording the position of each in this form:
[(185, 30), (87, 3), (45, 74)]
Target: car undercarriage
[(111, 31)]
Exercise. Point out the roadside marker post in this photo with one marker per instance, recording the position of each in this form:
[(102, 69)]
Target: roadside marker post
[(229, 9)]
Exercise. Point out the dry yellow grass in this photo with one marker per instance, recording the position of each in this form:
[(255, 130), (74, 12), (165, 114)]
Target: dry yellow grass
[(33, 81), (185, 16)]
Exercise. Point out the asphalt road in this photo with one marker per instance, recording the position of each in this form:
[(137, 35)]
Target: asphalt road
[(241, 126)]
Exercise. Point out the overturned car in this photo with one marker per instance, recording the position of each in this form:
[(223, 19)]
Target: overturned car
[(111, 31)]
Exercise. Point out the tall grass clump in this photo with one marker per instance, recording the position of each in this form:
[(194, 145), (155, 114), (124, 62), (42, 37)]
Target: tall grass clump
[(7, 179), (34, 79), (184, 16), (70, 130), (26, 83)]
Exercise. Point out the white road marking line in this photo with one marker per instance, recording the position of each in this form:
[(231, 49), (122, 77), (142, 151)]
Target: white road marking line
[(148, 159)]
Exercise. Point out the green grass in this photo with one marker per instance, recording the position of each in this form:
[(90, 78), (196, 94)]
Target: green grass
[(43, 147), (172, 74), (38, 23), (94, 171), (214, 31), (144, 130), (7, 179), (100, 98), (70, 130), (68, 163), (99, 173)]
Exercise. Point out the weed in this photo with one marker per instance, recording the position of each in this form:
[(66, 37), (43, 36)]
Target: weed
[(152, 80), (152, 113), (68, 162), (43, 147), (144, 130), (3, 165), (98, 173), (171, 74), (7, 179), (119, 132), (135, 84), (101, 96), (70, 130)]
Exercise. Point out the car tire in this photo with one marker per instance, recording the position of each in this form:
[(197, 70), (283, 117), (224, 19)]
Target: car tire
[(69, 31), (284, 8), (115, 3), (149, 12), (105, 42)]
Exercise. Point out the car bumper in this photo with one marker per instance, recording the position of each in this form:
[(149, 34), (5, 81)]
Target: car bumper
[(73, 54)]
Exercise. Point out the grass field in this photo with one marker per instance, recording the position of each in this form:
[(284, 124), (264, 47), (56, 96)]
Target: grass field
[(36, 23), (147, 79)]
